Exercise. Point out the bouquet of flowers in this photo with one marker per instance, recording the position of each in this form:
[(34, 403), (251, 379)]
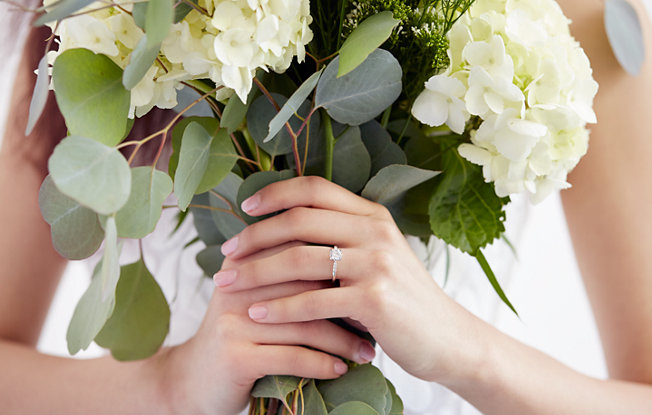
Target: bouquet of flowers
[(437, 109)]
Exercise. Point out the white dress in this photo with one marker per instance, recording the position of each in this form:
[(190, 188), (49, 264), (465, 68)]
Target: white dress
[(543, 284)]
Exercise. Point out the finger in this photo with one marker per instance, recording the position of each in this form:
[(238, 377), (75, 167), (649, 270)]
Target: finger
[(308, 306), (319, 334), (297, 361), (310, 191), (308, 263), (242, 299), (230, 262), (316, 226)]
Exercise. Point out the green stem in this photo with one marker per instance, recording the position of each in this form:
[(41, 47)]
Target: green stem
[(330, 145), (385, 119), (484, 264)]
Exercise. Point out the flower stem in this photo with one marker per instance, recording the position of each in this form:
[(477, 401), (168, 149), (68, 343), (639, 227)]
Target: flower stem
[(330, 146)]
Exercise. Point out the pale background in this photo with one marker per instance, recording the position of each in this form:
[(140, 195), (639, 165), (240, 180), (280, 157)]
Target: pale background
[(544, 284)]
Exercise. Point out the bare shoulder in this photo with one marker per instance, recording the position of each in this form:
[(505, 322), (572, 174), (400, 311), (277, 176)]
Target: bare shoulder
[(607, 207)]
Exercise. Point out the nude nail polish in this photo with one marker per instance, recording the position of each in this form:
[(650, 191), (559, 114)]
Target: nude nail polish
[(224, 278)]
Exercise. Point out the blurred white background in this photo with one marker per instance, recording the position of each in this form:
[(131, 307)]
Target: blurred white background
[(545, 284)]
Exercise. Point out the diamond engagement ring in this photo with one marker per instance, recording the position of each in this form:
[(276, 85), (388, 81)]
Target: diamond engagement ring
[(335, 255)]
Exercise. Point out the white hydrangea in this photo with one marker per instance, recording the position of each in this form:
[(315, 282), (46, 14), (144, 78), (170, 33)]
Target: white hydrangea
[(227, 46), (531, 84)]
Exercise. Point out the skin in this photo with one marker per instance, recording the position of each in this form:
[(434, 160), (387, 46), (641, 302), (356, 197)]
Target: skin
[(274, 297)]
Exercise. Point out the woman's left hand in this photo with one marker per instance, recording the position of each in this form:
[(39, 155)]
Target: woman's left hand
[(383, 285)]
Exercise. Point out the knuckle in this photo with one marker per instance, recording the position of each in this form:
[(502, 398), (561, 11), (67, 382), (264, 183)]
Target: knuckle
[(383, 212), (386, 231), (383, 262)]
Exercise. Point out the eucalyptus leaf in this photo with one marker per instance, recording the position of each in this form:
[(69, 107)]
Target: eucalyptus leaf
[(62, 10), (181, 10), (203, 221), (382, 149), (90, 95), (139, 13), (39, 96), (226, 213), (362, 94), (259, 115), (257, 181), (312, 402), (140, 318), (221, 159), (292, 106), (354, 408), (235, 111), (397, 404), (363, 383), (351, 161), (158, 21), (95, 175), (185, 97), (394, 181), (464, 210), (90, 315), (193, 162), (209, 123), (625, 35), (149, 189), (110, 268), (140, 60), (367, 36), (278, 387), (210, 259), (76, 231)]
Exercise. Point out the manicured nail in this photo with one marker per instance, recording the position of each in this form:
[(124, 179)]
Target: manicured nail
[(341, 368), (224, 278), (250, 204), (366, 353), (229, 246), (257, 312)]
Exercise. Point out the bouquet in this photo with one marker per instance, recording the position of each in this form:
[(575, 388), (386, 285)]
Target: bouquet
[(437, 109)]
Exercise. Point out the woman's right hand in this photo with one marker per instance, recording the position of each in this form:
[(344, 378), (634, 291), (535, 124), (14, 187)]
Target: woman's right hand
[(213, 372)]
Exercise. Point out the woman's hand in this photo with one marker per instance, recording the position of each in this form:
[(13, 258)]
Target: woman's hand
[(383, 285), (215, 371)]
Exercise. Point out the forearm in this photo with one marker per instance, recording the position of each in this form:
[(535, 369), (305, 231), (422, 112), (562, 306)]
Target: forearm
[(32, 382), (505, 377)]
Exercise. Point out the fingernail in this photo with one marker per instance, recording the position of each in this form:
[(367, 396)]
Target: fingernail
[(229, 246), (366, 352), (224, 278), (257, 312), (250, 204), (341, 368)]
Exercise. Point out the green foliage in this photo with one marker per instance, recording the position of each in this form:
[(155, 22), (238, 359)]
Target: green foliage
[(139, 216), (140, 318), (225, 210), (354, 408), (61, 10), (193, 162), (210, 259), (39, 96), (464, 210), (90, 314), (364, 39), (110, 265), (278, 387), (393, 182), (90, 95), (95, 175), (312, 402), (362, 94), (257, 181), (76, 231), (625, 35), (381, 148), (351, 160), (364, 383)]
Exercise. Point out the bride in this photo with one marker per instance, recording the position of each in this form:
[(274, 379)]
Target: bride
[(259, 313)]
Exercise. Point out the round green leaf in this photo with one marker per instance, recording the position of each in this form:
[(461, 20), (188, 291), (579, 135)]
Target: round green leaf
[(221, 159), (76, 231), (382, 149), (90, 95), (364, 383), (362, 94), (369, 35), (93, 174), (227, 214), (90, 315), (210, 259), (354, 408), (140, 60), (394, 181), (141, 316), (203, 221), (351, 161), (149, 189), (396, 407), (209, 123), (312, 402), (278, 387), (193, 161)]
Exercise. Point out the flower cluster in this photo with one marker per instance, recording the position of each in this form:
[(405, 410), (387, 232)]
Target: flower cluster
[(515, 66), (226, 42)]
